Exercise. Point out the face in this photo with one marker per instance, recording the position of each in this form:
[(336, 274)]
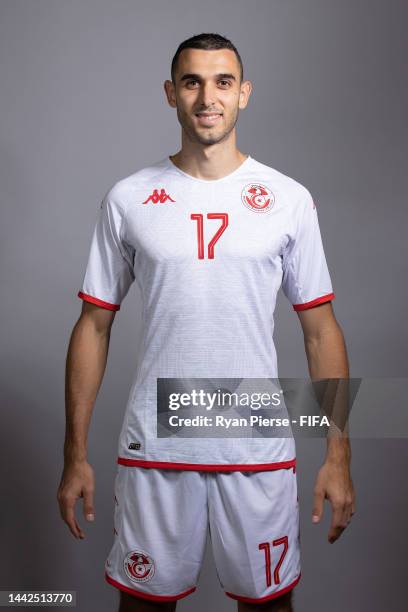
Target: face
[(207, 94)]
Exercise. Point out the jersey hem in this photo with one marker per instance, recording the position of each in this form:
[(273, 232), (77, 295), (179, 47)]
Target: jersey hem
[(97, 301), (325, 298), (267, 597), (148, 596), (212, 467)]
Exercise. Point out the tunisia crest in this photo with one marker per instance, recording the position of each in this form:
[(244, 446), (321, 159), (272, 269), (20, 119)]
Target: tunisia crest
[(139, 566), (257, 197)]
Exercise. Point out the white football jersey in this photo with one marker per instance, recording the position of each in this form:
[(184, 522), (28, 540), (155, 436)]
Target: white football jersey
[(209, 257)]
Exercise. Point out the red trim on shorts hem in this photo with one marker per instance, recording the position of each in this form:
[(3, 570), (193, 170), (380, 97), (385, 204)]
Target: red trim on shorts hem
[(97, 301), (143, 595), (229, 467), (316, 302), (268, 597)]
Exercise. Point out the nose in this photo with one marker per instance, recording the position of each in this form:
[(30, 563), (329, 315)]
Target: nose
[(207, 94)]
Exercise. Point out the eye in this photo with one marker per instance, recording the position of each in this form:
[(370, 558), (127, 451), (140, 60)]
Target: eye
[(191, 81), (224, 81)]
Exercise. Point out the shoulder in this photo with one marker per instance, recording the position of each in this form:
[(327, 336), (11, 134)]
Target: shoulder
[(295, 196), (120, 195)]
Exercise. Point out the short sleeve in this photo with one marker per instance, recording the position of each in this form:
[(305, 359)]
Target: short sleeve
[(109, 271), (306, 280)]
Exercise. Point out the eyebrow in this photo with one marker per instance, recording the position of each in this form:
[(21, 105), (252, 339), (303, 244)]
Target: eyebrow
[(222, 75)]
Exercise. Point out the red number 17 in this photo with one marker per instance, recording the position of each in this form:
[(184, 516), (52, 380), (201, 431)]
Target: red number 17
[(265, 546), (200, 232)]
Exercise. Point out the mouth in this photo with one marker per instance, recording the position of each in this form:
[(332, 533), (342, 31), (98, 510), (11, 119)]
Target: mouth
[(207, 119)]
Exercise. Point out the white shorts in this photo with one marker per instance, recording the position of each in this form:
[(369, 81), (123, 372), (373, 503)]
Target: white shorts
[(161, 519)]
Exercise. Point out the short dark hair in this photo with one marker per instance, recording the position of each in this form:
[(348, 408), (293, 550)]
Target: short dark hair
[(208, 42)]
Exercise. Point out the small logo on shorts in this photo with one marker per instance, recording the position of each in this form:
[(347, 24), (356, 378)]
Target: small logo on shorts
[(139, 566), (134, 446), (257, 197)]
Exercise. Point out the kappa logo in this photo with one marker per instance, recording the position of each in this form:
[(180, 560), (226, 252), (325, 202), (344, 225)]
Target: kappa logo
[(157, 197), (139, 566), (257, 197)]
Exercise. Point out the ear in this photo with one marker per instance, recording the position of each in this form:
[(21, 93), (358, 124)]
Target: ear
[(245, 92), (170, 93)]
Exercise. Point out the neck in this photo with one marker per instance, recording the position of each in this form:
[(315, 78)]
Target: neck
[(208, 162)]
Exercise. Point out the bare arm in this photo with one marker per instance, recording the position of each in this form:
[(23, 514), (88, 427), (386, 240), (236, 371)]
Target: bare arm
[(85, 367), (327, 358)]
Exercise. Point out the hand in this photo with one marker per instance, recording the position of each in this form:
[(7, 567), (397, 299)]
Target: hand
[(334, 483), (77, 481)]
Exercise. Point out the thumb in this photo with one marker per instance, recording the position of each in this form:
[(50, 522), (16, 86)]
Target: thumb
[(318, 501), (89, 511)]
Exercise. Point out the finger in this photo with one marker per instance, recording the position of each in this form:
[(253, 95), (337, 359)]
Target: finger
[(73, 525), (88, 508), (334, 533), (70, 520), (318, 502), (338, 522), (349, 513), (350, 508), (68, 515)]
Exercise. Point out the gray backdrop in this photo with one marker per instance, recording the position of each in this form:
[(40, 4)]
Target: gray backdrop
[(82, 105)]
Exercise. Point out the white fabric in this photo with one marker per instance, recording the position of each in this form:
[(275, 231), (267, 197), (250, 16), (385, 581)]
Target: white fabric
[(160, 529), (211, 316)]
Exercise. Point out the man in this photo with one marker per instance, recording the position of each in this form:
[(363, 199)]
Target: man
[(209, 234)]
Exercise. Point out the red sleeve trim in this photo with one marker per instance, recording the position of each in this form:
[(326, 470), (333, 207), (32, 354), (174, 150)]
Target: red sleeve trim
[(316, 302), (267, 597), (98, 302), (212, 467), (148, 596)]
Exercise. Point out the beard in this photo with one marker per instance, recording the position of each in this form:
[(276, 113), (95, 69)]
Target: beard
[(208, 136)]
